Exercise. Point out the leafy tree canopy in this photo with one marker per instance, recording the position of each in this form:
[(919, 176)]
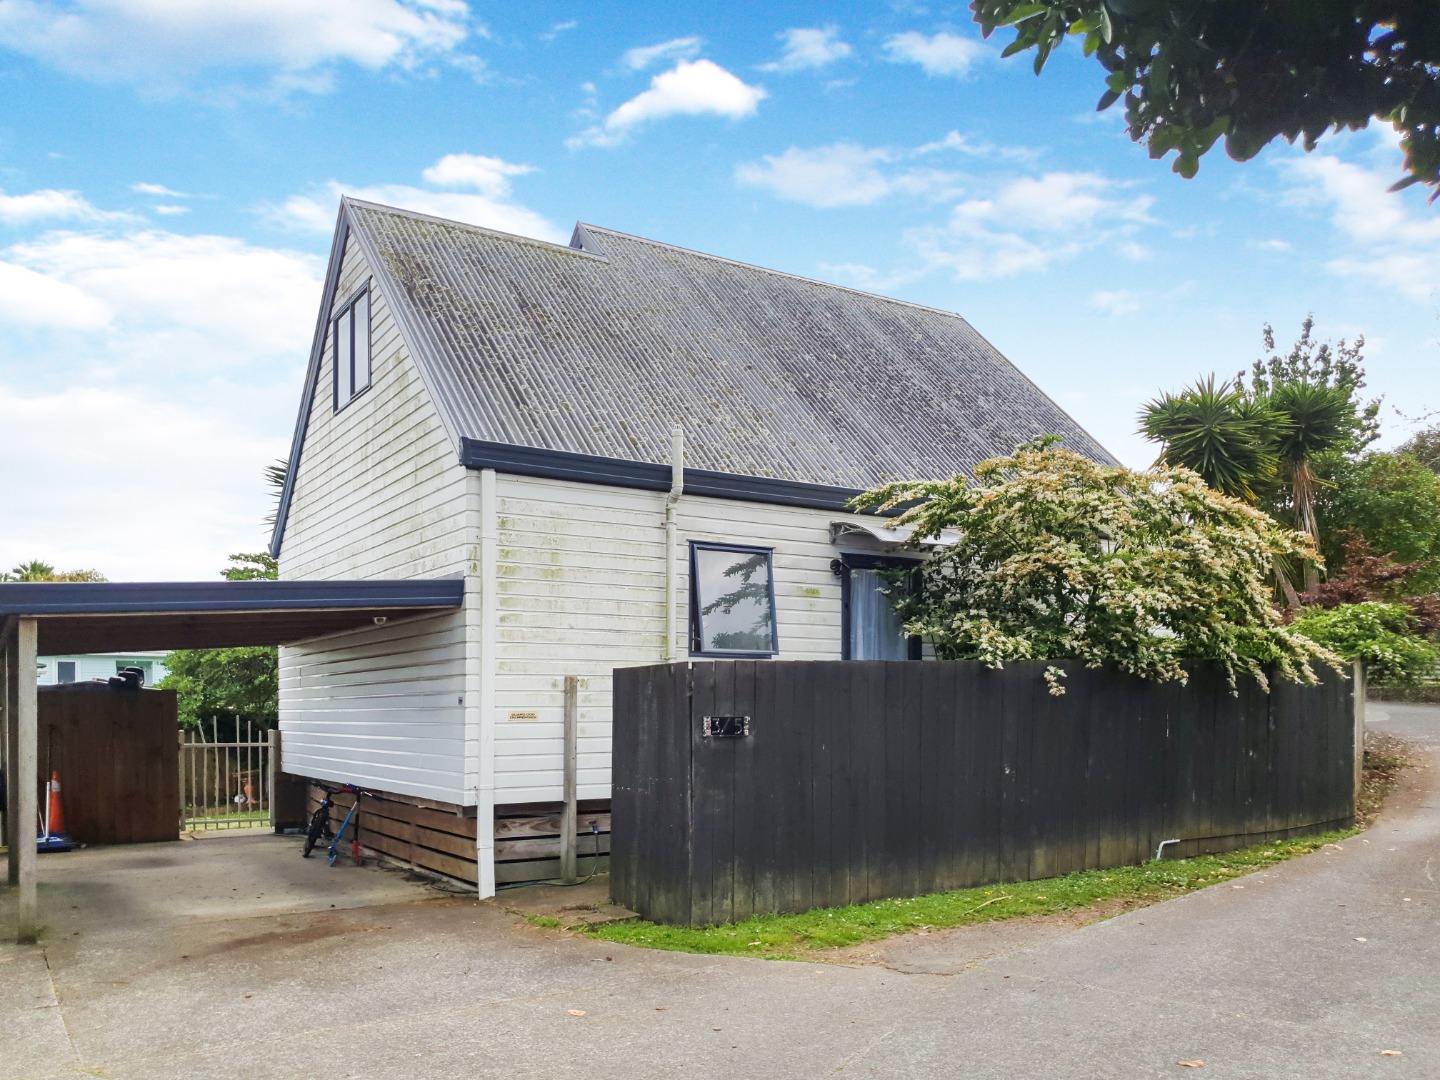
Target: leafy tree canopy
[(1367, 576), (1424, 447), (1393, 502), (36, 570), (1192, 72), (1383, 635), (1059, 558), (232, 684), (1275, 440)]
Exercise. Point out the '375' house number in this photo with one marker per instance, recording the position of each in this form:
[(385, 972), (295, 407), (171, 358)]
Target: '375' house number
[(724, 727)]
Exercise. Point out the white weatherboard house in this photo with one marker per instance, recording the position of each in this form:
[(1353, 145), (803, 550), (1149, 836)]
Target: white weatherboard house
[(501, 409)]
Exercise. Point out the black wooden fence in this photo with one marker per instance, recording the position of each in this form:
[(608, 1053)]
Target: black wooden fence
[(840, 782)]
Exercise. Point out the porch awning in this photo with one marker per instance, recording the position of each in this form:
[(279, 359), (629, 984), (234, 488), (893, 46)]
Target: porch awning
[(891, 536)]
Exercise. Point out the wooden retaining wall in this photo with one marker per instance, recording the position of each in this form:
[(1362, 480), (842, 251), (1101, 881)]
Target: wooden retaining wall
[(860, 780), (440, 837)]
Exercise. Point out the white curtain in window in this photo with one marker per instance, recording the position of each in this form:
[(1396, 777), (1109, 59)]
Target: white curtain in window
[(876, 630)]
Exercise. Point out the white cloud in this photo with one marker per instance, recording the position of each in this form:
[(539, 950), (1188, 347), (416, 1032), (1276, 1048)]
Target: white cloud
[(1271, 245), (1030, 222), (165, 291), (690, 88), (30, 298), (146, 377), (809, 47), (490, 206), (843, 174), (840, 175), (159, 190), (940, 54), (847, 174), (559, 28), (684, 48), (50, 205), (135, 487), (1384, 240), (488, 175), (161, 43), (170, 209), (1116, 302)]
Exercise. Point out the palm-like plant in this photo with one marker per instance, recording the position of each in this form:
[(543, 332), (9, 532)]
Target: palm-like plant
[(1318, 419), (1218, 431), (34, 570)]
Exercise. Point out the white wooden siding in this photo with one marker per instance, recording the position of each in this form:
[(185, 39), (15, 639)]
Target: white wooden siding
[(581, 591), (379, 493)]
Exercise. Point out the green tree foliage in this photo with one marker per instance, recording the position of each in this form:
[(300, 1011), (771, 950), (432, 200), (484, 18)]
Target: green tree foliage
[(1393, 502), (1192, 72), (1274, 440), (36, 570), (1383, 635), (1424, 447), (1366, 576), (231, 684), (1056, 557)]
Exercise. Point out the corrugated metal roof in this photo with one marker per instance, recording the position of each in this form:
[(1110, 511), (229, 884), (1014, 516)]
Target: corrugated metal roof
[(599, 351)]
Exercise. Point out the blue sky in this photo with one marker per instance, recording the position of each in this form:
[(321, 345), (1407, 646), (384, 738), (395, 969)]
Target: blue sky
[(169, 172)]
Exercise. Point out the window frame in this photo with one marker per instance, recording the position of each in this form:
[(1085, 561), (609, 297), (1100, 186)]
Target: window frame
[(696, 624), (60, 670), (848, 562), (348, 308)]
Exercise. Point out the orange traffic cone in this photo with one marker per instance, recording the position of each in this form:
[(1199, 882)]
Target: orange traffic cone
[(54, 815)]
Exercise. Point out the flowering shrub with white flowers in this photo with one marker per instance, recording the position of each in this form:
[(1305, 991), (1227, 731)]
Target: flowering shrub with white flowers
[(1056, 557)]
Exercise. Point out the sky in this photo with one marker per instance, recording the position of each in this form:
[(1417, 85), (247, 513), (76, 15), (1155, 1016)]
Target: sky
[(170, 172)]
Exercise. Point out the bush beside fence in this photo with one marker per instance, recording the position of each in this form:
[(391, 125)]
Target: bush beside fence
[(859, 780)]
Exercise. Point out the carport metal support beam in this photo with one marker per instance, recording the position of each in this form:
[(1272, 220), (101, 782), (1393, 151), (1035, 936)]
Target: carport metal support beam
[(21, 709)]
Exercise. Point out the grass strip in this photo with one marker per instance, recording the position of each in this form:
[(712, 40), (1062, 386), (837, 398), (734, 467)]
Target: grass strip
[(802, 936), (808, 935)]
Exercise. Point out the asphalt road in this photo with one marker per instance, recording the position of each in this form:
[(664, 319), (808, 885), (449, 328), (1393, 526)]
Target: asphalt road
[(1309, 969)]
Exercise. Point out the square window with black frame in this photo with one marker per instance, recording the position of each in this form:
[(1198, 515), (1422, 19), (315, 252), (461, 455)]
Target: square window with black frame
[(732, 601), (65, 671)]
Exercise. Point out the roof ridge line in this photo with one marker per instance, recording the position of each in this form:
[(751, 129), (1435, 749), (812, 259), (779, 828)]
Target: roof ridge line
[(781, 273), (401, 211)]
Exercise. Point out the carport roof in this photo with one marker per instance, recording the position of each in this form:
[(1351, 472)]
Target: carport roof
[(80, 617)]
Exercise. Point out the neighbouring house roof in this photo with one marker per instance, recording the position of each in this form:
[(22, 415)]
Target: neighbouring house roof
[(597, 348)]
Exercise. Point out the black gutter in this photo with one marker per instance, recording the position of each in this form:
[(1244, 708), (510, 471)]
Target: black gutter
[(649, 476), (126, 598)]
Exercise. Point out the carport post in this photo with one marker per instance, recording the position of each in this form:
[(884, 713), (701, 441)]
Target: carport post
[(8, 692), (24, 775)]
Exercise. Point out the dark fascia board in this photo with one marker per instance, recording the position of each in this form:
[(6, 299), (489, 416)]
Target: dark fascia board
[(312, 377), (126, 598), (648, 476)]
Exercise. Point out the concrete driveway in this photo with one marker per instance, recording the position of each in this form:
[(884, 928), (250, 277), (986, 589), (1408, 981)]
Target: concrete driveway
[(1311, 969)]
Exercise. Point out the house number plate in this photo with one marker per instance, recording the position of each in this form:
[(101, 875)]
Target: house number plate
[(725, 727)]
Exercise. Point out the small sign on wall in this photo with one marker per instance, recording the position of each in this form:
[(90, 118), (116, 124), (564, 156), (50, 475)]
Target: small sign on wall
[(525, 715)]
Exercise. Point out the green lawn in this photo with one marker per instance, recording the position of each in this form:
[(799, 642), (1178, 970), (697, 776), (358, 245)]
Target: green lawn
[(803, 936)]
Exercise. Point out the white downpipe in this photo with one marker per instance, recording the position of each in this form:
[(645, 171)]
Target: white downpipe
[(677, 486)]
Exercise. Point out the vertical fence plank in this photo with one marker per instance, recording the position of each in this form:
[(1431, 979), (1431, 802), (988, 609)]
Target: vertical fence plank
[(856, 795), (796, 753), (744, 831), (818, 707)]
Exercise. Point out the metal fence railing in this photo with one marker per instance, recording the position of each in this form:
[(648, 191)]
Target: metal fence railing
[(225, 777)]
